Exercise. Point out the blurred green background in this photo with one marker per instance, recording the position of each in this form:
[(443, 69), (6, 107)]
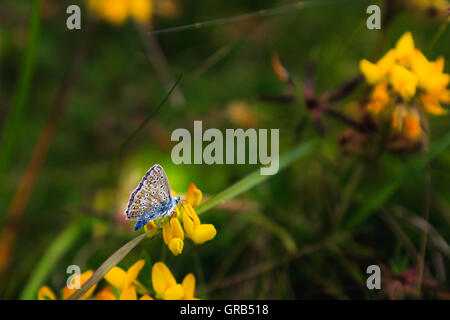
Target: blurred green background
[(279, 240)]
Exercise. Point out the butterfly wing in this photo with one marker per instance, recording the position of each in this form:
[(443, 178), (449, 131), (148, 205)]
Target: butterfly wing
[(151, 195)]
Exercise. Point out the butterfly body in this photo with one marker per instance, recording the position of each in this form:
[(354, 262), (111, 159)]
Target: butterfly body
[(152, 199)]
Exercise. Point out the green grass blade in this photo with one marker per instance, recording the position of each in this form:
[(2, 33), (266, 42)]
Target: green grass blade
[(56, 250), (386, 193), (15, 117)]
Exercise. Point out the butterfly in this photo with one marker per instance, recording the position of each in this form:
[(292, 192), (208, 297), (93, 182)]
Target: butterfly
[(151, 199)]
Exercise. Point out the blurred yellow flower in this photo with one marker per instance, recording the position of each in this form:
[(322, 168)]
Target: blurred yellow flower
[(404, 82), (123, 280), (380, 97), (118, 11), (45, 293), (405, 73), (166, 286)]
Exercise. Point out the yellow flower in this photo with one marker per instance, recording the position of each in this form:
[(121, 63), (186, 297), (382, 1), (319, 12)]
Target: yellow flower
[(123, 280), (166, 286), (413, 78), (118, 11), (198, 232), (45, 293), (173, 236)]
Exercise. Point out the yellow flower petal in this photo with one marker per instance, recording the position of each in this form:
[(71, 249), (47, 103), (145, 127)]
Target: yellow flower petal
[(128, 293), (203, 233), (177, 230), (150, 226), (175, 292), (176, 246), (190, 219), (116, 277), (387, 62), (113, 11), (432, 105), (380, 98), (45, 293), (405, 49), (142, 10), (105, 294), (133, 272), (146, 297), (171, 230), (404, 82), (167, 233), (162, 278), (371, 71), (188, 285), (194, 195)]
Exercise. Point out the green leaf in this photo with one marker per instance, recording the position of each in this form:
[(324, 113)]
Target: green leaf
[(14, 121)]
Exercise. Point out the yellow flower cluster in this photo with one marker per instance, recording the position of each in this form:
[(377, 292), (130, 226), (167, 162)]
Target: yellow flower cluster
[(126, 286), (404, 74), (118, 11), (173, 233)]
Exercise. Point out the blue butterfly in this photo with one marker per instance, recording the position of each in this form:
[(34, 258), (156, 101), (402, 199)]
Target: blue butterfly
[(151, 199)]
